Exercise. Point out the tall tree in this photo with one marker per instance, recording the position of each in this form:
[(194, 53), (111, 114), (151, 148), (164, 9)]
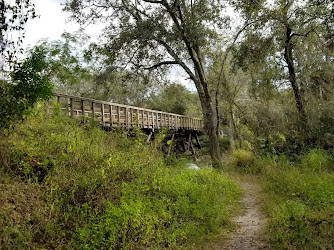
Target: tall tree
[(153, 34), (285, 23), (13, 17)]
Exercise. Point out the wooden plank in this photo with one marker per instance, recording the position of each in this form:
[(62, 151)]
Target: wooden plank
[(93, 109), (149, 137), (72, 107), (127, 117), (170, 145), (142, 118), (197, 141), (148, 118), (189, 141), (83, 108), (102, 113), (193, 151), (119, 115), (111, 115)]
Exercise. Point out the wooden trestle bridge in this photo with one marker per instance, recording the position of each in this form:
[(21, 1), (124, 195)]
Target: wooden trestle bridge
[(113, 115)]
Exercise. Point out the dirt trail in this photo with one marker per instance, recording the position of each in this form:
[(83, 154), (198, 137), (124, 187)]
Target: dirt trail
[(251, 223)]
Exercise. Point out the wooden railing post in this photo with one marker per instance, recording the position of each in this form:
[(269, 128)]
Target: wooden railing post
[(83, 108), (142, 119), (58, 101), (72, 107), (111, 116), (102, 113), (127, 117), (131, 114), (93, 110), (119, 115), (148, 119)]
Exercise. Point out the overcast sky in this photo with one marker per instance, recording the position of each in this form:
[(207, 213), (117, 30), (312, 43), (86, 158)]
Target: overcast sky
[(53, 22)]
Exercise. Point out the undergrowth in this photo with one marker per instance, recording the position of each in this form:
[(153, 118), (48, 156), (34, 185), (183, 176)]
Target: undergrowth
[(66, 184), (298, 196), (300, 201)]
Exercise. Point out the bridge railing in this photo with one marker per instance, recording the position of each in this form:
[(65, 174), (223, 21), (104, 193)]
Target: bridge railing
[(114, 115)]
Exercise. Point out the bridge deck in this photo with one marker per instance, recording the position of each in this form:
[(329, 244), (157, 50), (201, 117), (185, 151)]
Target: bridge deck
[(113, 114)]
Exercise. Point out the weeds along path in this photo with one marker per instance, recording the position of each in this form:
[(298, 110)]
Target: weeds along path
[(251, 223)]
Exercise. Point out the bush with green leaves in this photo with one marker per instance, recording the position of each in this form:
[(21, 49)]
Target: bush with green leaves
[(243, 159), (71, 185), (28, 85)]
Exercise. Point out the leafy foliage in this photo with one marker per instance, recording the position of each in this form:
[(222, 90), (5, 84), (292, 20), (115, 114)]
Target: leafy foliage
[(76, 186), (176, 99), (13, 17), (243, 159), (29, 85), (65, 63)]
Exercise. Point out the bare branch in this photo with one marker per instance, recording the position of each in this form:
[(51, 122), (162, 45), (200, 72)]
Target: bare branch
[(161, 64), (302, 35), (153, 1), (178, 60)]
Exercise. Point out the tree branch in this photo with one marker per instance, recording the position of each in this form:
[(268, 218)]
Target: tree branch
[(222, 75), (160, 64), (302, 35), (153, 1), (177, 59)]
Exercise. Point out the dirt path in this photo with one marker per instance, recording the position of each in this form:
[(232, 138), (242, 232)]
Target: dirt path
[(251, 223)]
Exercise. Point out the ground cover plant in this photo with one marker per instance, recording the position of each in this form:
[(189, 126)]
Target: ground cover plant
[(68, 184), (299, 201)]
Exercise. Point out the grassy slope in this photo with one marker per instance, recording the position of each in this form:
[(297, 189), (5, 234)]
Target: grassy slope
[(65, 185)]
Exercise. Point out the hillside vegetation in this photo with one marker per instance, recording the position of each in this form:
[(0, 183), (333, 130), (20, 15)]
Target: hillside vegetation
[(66, 184)]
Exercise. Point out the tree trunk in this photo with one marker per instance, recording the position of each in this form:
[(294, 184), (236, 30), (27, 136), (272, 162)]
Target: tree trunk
[(288, 55), (210, 127), (230, 134)]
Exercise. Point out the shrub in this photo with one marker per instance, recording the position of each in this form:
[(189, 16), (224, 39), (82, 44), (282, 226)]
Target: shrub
[(317, 160), (29, 85), (243, 159), (177, 207), (90, 189)]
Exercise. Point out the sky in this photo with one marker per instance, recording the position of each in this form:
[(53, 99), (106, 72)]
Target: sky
[(53, 22)]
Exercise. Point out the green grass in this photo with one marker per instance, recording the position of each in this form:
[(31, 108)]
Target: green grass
[(71, 185), (298, 197), (300, 201)]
